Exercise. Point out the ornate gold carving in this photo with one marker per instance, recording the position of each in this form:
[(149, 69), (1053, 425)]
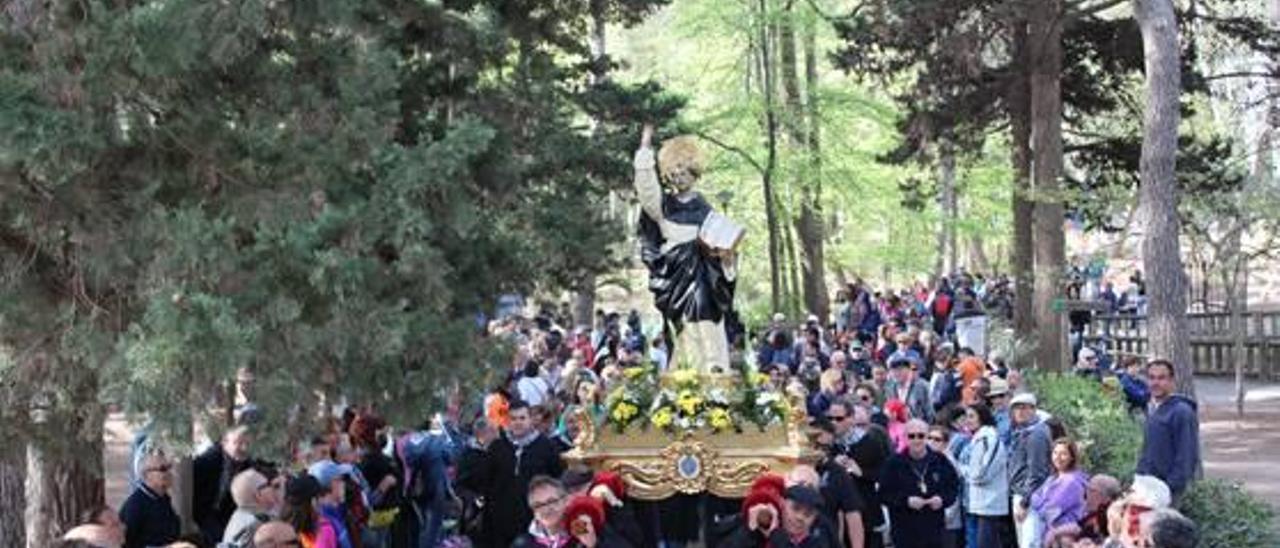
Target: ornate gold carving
[(586, 438), (656, 465)]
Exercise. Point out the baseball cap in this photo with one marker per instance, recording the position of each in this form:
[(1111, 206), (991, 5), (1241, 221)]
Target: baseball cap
[(999, 387), (326, 471), (1149, 492), (779, 317), (1024, 398), (805, 496)]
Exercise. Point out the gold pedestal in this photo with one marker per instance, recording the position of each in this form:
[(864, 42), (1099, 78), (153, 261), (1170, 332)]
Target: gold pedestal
[(657, 464)]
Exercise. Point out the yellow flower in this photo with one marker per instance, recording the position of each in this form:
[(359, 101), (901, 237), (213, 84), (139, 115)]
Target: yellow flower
[(634, 373), (720, 419), (758, 379), (624, 411), (662, 417), (684, 376), (688, 402)]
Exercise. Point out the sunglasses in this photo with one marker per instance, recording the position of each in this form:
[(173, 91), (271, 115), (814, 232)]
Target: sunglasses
[(915, 436), (163, 468)]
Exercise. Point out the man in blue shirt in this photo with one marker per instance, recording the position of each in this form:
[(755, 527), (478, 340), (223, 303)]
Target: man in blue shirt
[(1171, 444)]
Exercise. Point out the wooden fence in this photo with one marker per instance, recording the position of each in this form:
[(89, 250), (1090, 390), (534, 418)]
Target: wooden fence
[(1211, 340)]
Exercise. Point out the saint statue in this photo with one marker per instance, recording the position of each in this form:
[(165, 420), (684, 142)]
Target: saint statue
[(689, 250)]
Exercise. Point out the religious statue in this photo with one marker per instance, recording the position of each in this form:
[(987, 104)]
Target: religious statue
[(689, 250)]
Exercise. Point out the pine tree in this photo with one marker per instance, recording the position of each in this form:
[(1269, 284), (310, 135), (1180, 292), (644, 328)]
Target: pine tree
[(327, 193)]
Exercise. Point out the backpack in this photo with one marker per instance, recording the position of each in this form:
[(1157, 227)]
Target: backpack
[(941, 305)]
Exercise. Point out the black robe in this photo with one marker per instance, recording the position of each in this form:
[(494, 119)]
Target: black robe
[(902, 478), (688, 282), (505, 479)]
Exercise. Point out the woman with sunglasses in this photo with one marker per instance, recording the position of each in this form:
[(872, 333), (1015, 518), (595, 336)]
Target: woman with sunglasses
[(939, 440)]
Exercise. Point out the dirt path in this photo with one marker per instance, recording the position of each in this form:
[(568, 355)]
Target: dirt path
[(1241, 449)]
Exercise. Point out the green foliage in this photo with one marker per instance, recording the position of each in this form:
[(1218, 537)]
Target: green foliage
[(1096, 416), (1228, 516), (327, 193)]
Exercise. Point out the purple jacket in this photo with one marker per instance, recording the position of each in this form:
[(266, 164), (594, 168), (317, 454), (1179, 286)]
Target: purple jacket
[(1060, 500)]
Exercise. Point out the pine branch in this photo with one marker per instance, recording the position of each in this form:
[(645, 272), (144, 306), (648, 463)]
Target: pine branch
[(730, 148)]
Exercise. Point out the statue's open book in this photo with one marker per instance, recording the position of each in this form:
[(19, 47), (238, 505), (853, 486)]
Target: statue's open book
[(718, 232)]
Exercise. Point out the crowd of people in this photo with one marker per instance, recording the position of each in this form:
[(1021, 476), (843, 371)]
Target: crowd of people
[(925, 439)]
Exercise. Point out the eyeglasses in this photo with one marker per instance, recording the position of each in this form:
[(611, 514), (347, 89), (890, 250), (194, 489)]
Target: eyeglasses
[(915, 436), (540, 506)]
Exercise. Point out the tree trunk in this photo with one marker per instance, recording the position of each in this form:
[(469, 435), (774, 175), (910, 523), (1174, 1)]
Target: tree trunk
[(584, 297), (765, 62), (63, 480), (1237, 307), (1158, 196), (947, 200), (59, 490), (1046, 136), (12, 496), (802, 125), (1022, 259), (978, 256), (793, 274)]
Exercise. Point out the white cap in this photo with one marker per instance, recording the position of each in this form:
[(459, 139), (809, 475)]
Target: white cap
[(1024, 398), (1150, 492), (779, 317), (1086, 353)]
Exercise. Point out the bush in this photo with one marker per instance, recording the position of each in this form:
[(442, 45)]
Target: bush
[(1228, 516), (1097, 417)]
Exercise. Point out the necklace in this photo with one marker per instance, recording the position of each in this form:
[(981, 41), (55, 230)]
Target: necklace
[(920, 474)]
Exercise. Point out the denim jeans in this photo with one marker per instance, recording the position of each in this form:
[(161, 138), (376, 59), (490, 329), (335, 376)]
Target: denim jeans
[(430, 525), (991, 532), (376, 538)]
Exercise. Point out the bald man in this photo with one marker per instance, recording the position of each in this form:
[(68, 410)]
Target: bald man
[(97, 535), (275, 534)]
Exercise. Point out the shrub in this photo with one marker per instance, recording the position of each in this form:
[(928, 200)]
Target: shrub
[(1097, 417), (1228, 516)]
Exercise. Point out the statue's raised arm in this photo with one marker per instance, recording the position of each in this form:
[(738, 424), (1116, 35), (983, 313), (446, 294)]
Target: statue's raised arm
[(689, 250)]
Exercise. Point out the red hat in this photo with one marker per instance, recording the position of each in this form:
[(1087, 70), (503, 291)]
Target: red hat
[(773, 482), (584, 505), (896, 410), (761, 496), (612, 481)]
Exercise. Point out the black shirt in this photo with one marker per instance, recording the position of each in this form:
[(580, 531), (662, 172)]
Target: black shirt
[(149, 519), (839, 492)]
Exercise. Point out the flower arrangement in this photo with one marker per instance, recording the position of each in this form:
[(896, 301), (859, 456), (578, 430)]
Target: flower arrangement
[(684, 400)]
